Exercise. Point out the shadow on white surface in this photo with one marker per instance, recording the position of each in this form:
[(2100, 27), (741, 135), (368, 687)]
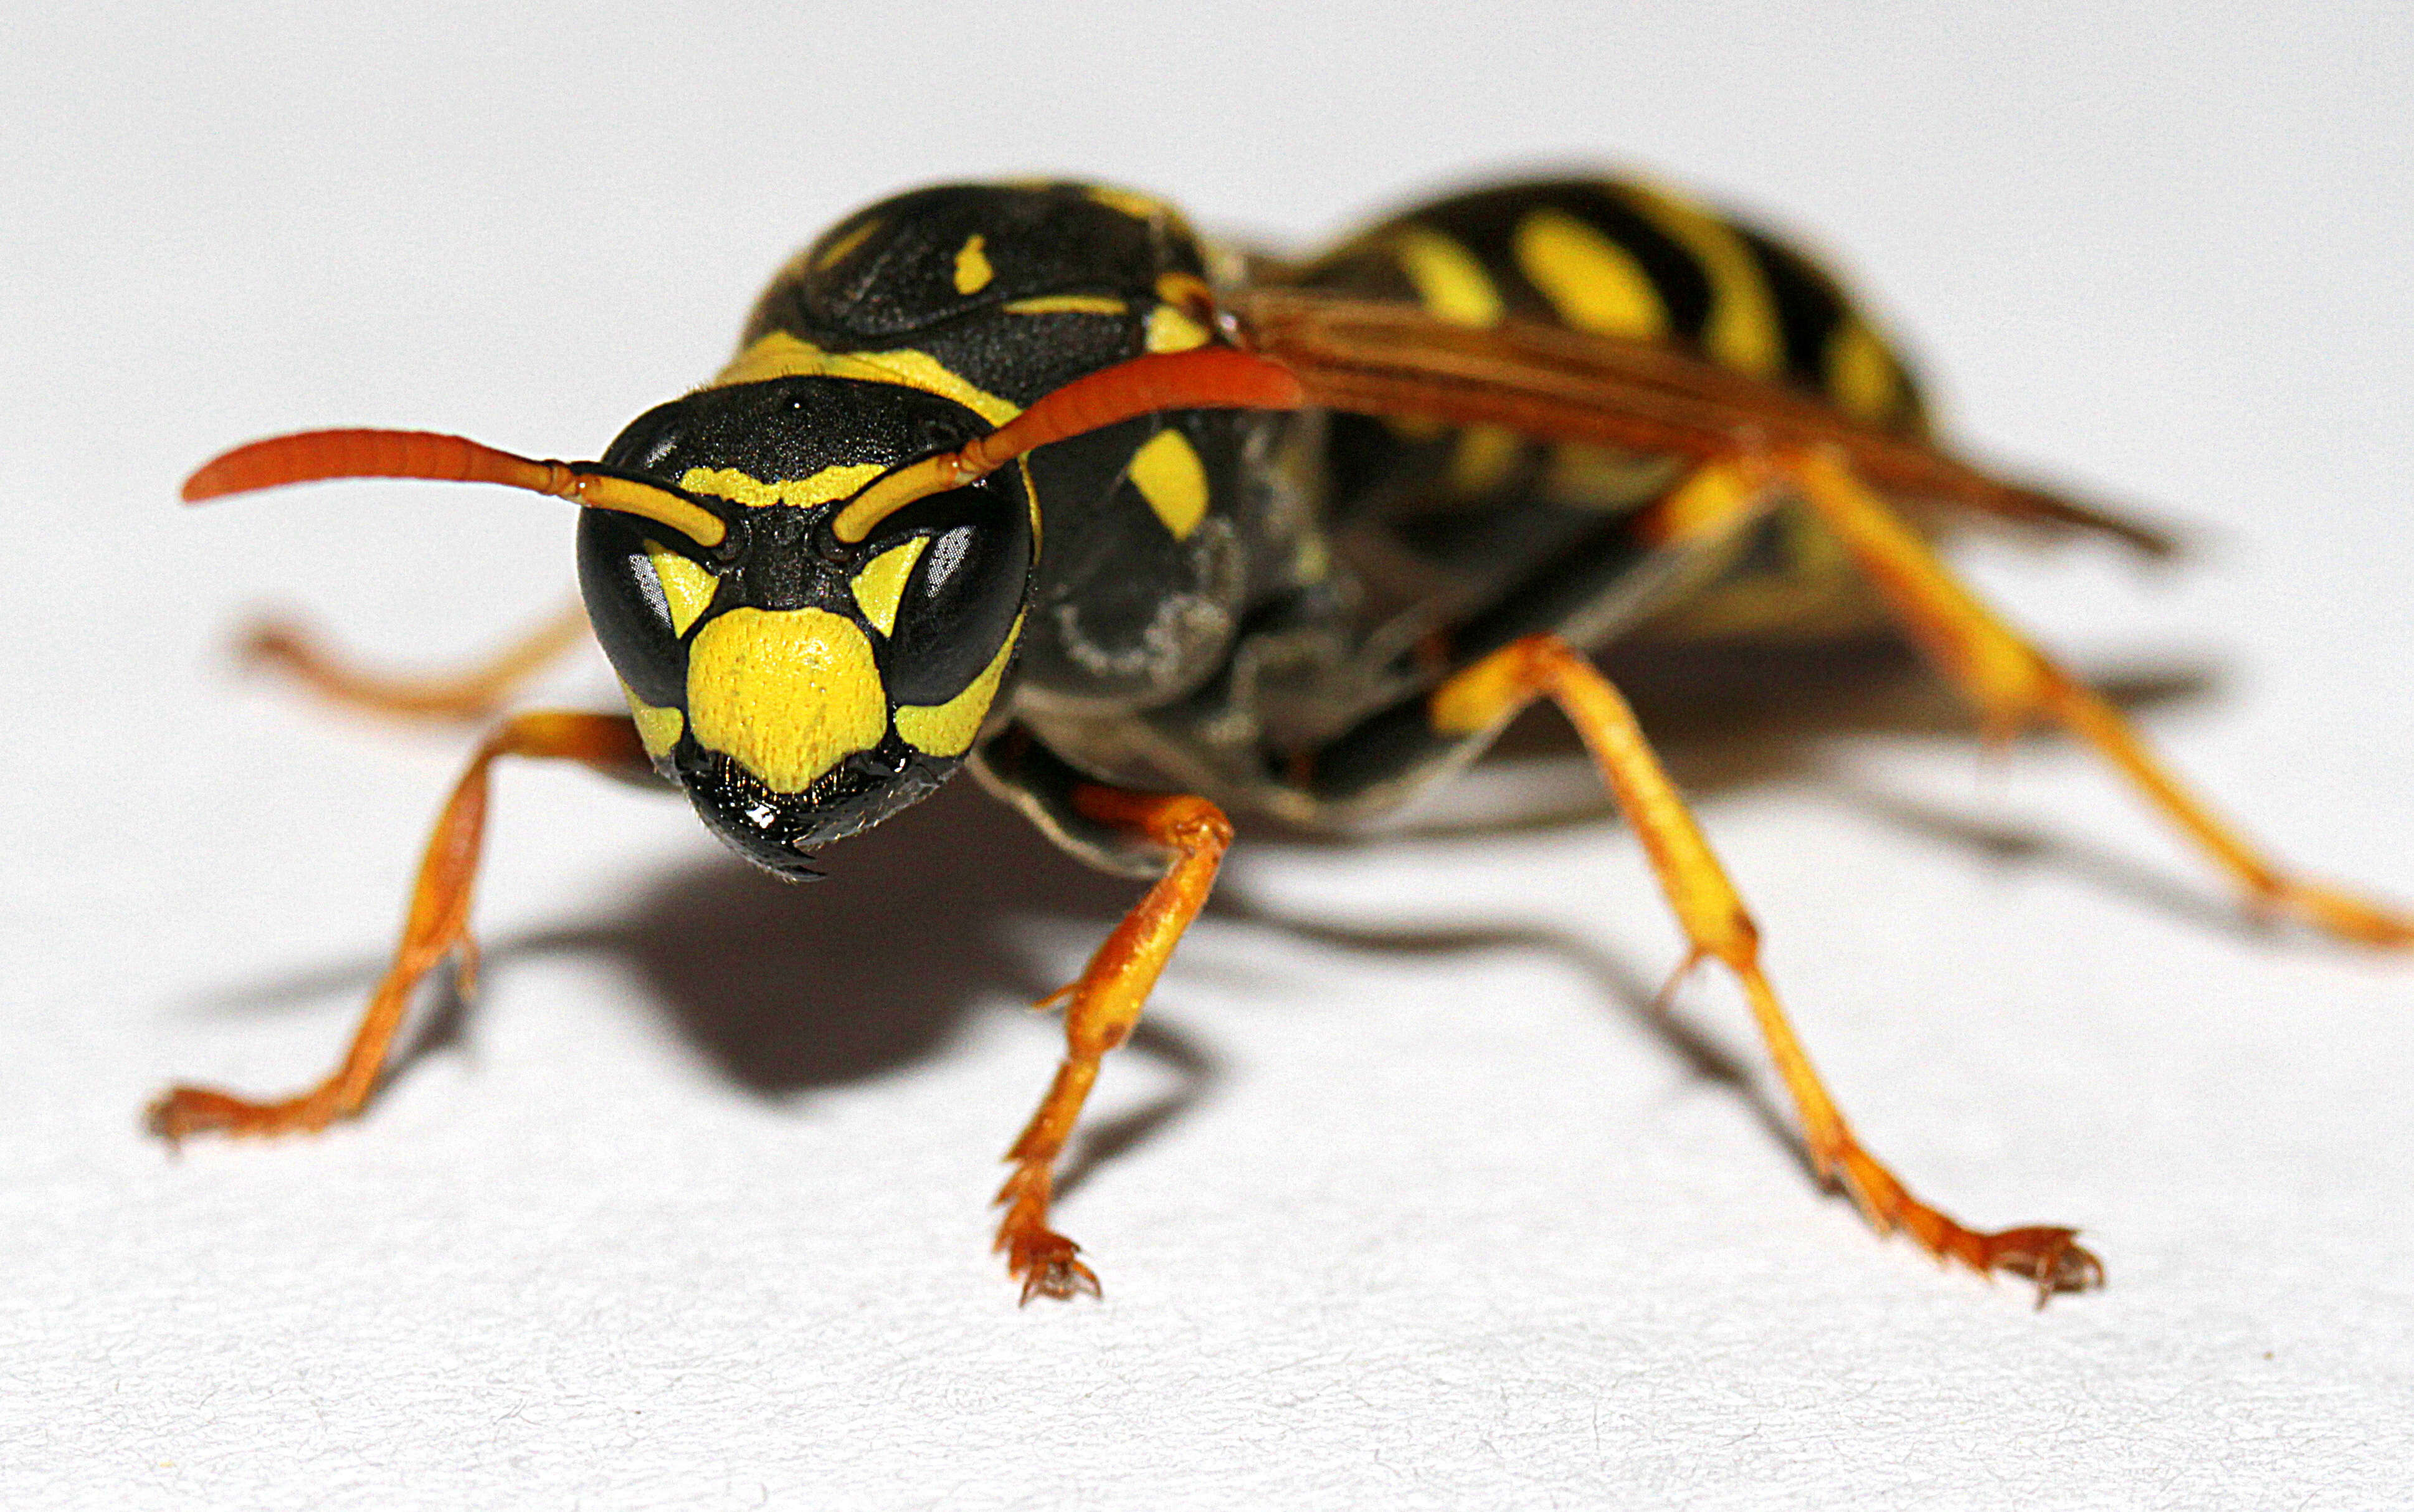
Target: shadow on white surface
[(789, 989)]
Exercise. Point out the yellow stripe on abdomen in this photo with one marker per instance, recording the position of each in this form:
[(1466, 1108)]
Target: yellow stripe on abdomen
[(1592, 283), (1450, 280), (1742, 332)]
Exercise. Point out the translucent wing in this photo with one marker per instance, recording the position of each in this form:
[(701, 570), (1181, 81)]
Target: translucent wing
[(1385, 358)]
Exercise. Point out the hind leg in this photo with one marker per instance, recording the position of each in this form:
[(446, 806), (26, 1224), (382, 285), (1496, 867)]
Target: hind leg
[(1474, 704), (475, 693), (2014, 685)]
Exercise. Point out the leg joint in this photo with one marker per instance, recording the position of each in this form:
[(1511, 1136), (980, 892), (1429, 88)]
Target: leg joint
[(1180, 821)]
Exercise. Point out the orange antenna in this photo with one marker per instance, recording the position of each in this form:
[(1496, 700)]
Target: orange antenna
[(1204, 378), (316, 454)]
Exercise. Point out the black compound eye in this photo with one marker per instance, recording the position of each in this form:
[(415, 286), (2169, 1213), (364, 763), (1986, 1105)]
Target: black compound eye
[(961, 597), (635, 613)]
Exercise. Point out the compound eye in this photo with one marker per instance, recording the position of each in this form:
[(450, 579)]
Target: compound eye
[(961, 594), (642, 596)]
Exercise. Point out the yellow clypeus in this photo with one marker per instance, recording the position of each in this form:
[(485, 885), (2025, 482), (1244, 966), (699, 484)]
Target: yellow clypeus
[(787, 694)]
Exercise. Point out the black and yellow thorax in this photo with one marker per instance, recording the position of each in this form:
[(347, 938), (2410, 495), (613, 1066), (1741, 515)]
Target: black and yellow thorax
[(1190, 596), (805, 685)]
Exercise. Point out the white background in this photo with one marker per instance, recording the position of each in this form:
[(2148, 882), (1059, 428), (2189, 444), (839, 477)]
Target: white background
[(690, 1211)]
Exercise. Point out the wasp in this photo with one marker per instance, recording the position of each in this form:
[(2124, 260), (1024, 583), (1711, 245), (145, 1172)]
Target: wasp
[(1031, 479)]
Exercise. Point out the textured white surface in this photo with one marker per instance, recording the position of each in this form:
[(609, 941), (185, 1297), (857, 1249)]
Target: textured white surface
[(690, 1213)]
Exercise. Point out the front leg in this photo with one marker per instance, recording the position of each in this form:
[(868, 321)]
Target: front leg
[(437, 926), (1102, 1008)]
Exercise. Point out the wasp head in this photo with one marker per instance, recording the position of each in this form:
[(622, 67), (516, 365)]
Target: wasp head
[(798, 685)]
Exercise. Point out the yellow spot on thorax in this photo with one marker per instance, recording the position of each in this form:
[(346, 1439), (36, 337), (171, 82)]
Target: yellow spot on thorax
[(973, 272), (1742, 331), (787, 694), (1595, 284), (1067, 305), (1172, 330), (1169, 474), (658, 729), (687, 589), (947, 729), (880, 586), (1174, 325), (830, 483), (1450, 281), (781, 355)]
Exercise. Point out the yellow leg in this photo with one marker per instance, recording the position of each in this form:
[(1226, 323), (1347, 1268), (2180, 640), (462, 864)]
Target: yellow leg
[(476, 694), (1103, 1009), (2013, 684), (437, 926), (1485, 695)]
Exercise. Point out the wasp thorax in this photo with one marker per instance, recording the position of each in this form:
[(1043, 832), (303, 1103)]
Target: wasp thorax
[(798, 687)]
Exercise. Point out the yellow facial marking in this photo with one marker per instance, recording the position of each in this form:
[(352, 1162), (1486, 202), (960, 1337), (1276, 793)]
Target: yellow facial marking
[(835, 253), (781, 355), (1450, 282), (1595, 284), (1069, 305), (1169, 474), (973, 272), (786, 693), (658, 729), (1742, 331), (686, 587), (878, 588), (1860, 375), (1483, 458), (1172, 330), (740, 489), (947, 729)]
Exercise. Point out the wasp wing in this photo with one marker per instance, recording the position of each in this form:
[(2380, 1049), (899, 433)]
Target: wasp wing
[(1381, 357)]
